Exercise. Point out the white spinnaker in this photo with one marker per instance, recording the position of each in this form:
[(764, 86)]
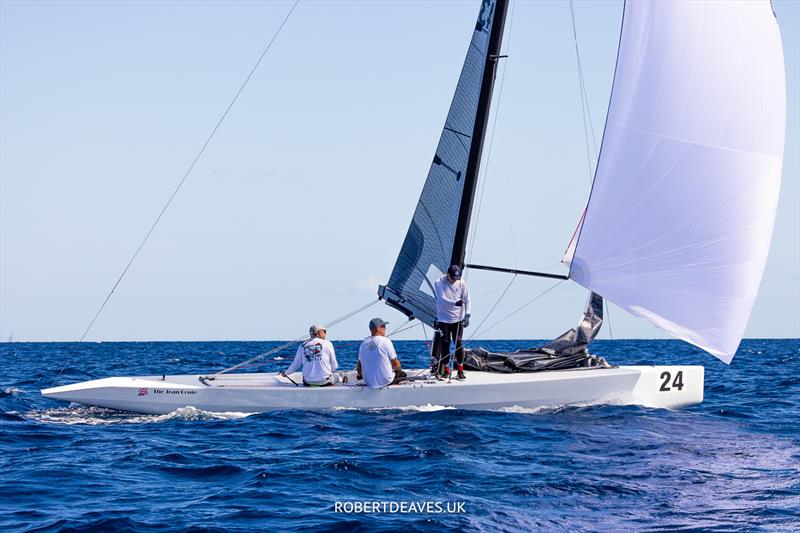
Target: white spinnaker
[(680, 218)]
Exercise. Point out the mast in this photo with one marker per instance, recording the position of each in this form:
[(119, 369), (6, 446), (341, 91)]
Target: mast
[(479, 134)]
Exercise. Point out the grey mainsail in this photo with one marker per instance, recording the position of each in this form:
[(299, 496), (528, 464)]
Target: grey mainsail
[(437, 234)]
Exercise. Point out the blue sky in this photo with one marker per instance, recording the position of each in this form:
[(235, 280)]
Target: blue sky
[(297, 209)]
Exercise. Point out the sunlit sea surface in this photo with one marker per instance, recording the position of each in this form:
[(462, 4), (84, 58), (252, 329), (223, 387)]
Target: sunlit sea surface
[(729, 464)]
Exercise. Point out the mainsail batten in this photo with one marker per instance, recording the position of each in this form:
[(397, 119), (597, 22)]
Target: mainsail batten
[(680, 218)]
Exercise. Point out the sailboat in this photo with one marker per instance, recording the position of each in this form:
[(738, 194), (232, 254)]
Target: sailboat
[(676, 229)]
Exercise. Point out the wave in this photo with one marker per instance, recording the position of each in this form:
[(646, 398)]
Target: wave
[(614, 400), (208, 471), (192, 413), (428, 408), (94, 416), (518, 409)]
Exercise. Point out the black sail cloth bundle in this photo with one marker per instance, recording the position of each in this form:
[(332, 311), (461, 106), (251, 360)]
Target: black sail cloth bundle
[(570, 350)]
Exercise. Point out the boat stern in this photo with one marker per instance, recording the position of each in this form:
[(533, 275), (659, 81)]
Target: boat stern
[(671, 387)]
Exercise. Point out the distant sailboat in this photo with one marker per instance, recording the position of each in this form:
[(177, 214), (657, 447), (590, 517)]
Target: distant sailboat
[(676, 230)]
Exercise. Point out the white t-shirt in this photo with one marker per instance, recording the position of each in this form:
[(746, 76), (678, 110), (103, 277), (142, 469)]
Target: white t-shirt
[(375, 354), (318, 359), (447, 294)]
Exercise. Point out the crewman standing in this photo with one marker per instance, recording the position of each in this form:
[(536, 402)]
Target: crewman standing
[(452, 316)]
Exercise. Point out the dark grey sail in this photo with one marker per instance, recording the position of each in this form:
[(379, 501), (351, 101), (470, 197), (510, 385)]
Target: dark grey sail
[(577, 339), (569, 350), (438, 230)]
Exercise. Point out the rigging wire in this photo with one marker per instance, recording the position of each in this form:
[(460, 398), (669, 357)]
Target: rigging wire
[(520, 308), (295, 341), (188, 171), (588, 127), (401, 329), (486, 317), (608, 315), (491, 140), (523, 306)]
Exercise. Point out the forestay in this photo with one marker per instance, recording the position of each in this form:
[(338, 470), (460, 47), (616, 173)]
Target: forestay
[(682, 208), (427, 248)]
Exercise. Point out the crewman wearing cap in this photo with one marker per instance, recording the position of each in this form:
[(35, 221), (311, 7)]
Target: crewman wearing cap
[(452, 316), (378, 364), (318, 359)]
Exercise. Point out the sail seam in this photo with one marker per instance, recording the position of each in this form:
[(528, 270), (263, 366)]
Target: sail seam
[(696, 143), (448, 128)]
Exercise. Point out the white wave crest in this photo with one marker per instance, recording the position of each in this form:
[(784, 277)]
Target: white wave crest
[(428, 408), (193, 413), (94, 416), (617, 400), (518, 409), (13, 391)]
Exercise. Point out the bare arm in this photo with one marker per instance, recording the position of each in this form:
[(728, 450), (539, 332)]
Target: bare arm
[(358, 371)]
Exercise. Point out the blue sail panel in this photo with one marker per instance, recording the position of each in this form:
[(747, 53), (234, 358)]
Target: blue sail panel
[(427, 248)]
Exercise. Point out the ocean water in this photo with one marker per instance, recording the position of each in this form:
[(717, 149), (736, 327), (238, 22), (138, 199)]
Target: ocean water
[(729, 464)]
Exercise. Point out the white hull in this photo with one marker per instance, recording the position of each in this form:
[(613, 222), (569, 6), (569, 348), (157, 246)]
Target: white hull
[(653, 386)]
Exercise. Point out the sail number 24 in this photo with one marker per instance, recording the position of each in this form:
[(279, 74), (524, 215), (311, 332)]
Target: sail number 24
[(677, 383)]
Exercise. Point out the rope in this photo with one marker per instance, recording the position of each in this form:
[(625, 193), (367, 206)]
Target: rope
[(523, 306), (588, 127), (452, 352), (514, 312), (608, 314), (401, 329), (493, 307), (186, 175), (290, 343)]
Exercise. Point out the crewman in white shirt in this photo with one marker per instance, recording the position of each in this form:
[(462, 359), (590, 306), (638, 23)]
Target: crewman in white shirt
[(317, 358), (452, 316), (378, 364)]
